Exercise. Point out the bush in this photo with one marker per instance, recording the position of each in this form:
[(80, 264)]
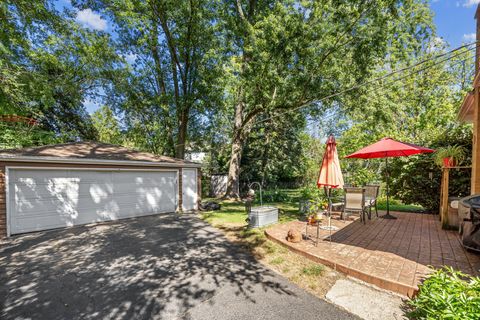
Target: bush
[(447, 294), (275, 195), (417, 180), (312, 193)]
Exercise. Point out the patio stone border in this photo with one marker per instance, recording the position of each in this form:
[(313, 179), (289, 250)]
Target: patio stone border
[(391, 285)]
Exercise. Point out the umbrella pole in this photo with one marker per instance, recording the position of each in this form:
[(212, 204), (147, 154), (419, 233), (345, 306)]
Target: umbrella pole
[(329, 210), (388, 215)]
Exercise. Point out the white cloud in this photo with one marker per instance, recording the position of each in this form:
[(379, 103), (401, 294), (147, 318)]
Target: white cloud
[(470, 3), (469, 37), (91, 19)]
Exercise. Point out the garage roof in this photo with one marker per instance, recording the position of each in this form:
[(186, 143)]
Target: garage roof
[(91, 152)]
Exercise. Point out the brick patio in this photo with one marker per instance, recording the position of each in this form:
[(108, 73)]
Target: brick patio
[(391, 254)]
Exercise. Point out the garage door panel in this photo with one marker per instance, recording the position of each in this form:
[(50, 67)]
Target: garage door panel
[(46, 199)]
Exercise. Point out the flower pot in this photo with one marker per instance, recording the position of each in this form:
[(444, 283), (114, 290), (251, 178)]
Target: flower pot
[(449, 162)]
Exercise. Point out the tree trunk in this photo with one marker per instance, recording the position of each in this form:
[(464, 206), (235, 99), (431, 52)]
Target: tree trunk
[(233, 182), (182, 135), (240, 132)]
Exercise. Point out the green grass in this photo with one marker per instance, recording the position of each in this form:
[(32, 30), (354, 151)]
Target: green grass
[(313, 270), (277, 260), (233, 212), (396, 205)]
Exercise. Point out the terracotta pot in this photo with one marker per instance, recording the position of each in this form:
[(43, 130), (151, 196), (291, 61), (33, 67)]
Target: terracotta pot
[(449, 162)]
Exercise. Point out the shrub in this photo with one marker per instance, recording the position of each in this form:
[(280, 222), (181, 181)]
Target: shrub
[(312, 193), (447, 294), (417, 180), (274, 195)]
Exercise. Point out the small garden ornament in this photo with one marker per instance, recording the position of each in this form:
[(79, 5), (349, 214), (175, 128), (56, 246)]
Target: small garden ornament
[(294, 236)]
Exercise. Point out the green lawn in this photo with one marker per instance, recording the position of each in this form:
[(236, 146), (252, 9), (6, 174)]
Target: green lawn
[(398, 206), (233, 212)]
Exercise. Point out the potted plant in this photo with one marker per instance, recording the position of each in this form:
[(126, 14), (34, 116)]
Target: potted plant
[(450, 156)]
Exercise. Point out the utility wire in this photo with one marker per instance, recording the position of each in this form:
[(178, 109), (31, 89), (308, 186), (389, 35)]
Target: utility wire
[(355, 87), (332, 116)]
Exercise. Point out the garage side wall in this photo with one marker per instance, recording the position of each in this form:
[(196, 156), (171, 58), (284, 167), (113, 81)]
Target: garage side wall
[(3, 203), (199, 185), (3, 187)]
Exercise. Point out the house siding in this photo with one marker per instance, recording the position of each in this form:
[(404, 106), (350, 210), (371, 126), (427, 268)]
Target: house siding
[(11, 164)]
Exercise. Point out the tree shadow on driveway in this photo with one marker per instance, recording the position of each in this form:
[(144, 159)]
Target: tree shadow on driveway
[(151, 267)]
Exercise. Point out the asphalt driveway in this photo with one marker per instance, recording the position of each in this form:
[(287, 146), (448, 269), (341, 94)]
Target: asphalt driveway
[(157, 267)]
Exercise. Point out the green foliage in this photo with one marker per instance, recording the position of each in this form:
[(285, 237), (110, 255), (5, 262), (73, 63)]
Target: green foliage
[(447, 294), (106, 124), (361, 174), (49, 66), (455, 153), (20, 135), (274, 153), (276, 195), (417, 180), (396, 205), (313, 270), (173, 76), (312, 193)]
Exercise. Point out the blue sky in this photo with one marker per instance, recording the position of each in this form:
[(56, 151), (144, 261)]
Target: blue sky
[(454, 20)]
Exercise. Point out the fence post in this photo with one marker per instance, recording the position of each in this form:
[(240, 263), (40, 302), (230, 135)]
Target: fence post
[(444, 198)]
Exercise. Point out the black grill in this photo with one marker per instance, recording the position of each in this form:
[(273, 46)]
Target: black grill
[(470, 226)]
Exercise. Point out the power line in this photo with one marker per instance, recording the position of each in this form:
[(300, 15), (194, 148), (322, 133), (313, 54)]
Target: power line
[(341, 92), (332, 116)]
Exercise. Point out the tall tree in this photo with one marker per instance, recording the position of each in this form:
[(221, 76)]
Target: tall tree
[(286, 54), (107, 126), (53, 65), (172, 73)]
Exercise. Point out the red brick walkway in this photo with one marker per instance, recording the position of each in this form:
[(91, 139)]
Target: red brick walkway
[(391, 254)]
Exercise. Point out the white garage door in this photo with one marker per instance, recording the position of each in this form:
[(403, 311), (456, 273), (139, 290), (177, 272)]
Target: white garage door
[(45, 199)]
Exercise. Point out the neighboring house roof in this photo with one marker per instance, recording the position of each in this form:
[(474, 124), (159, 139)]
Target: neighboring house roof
[(90, 152)]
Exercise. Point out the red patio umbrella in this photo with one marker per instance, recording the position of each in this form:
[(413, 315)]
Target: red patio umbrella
[(385, 148), (330, 175)]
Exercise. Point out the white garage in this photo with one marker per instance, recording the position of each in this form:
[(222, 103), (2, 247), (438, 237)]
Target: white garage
[(42, 194)]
